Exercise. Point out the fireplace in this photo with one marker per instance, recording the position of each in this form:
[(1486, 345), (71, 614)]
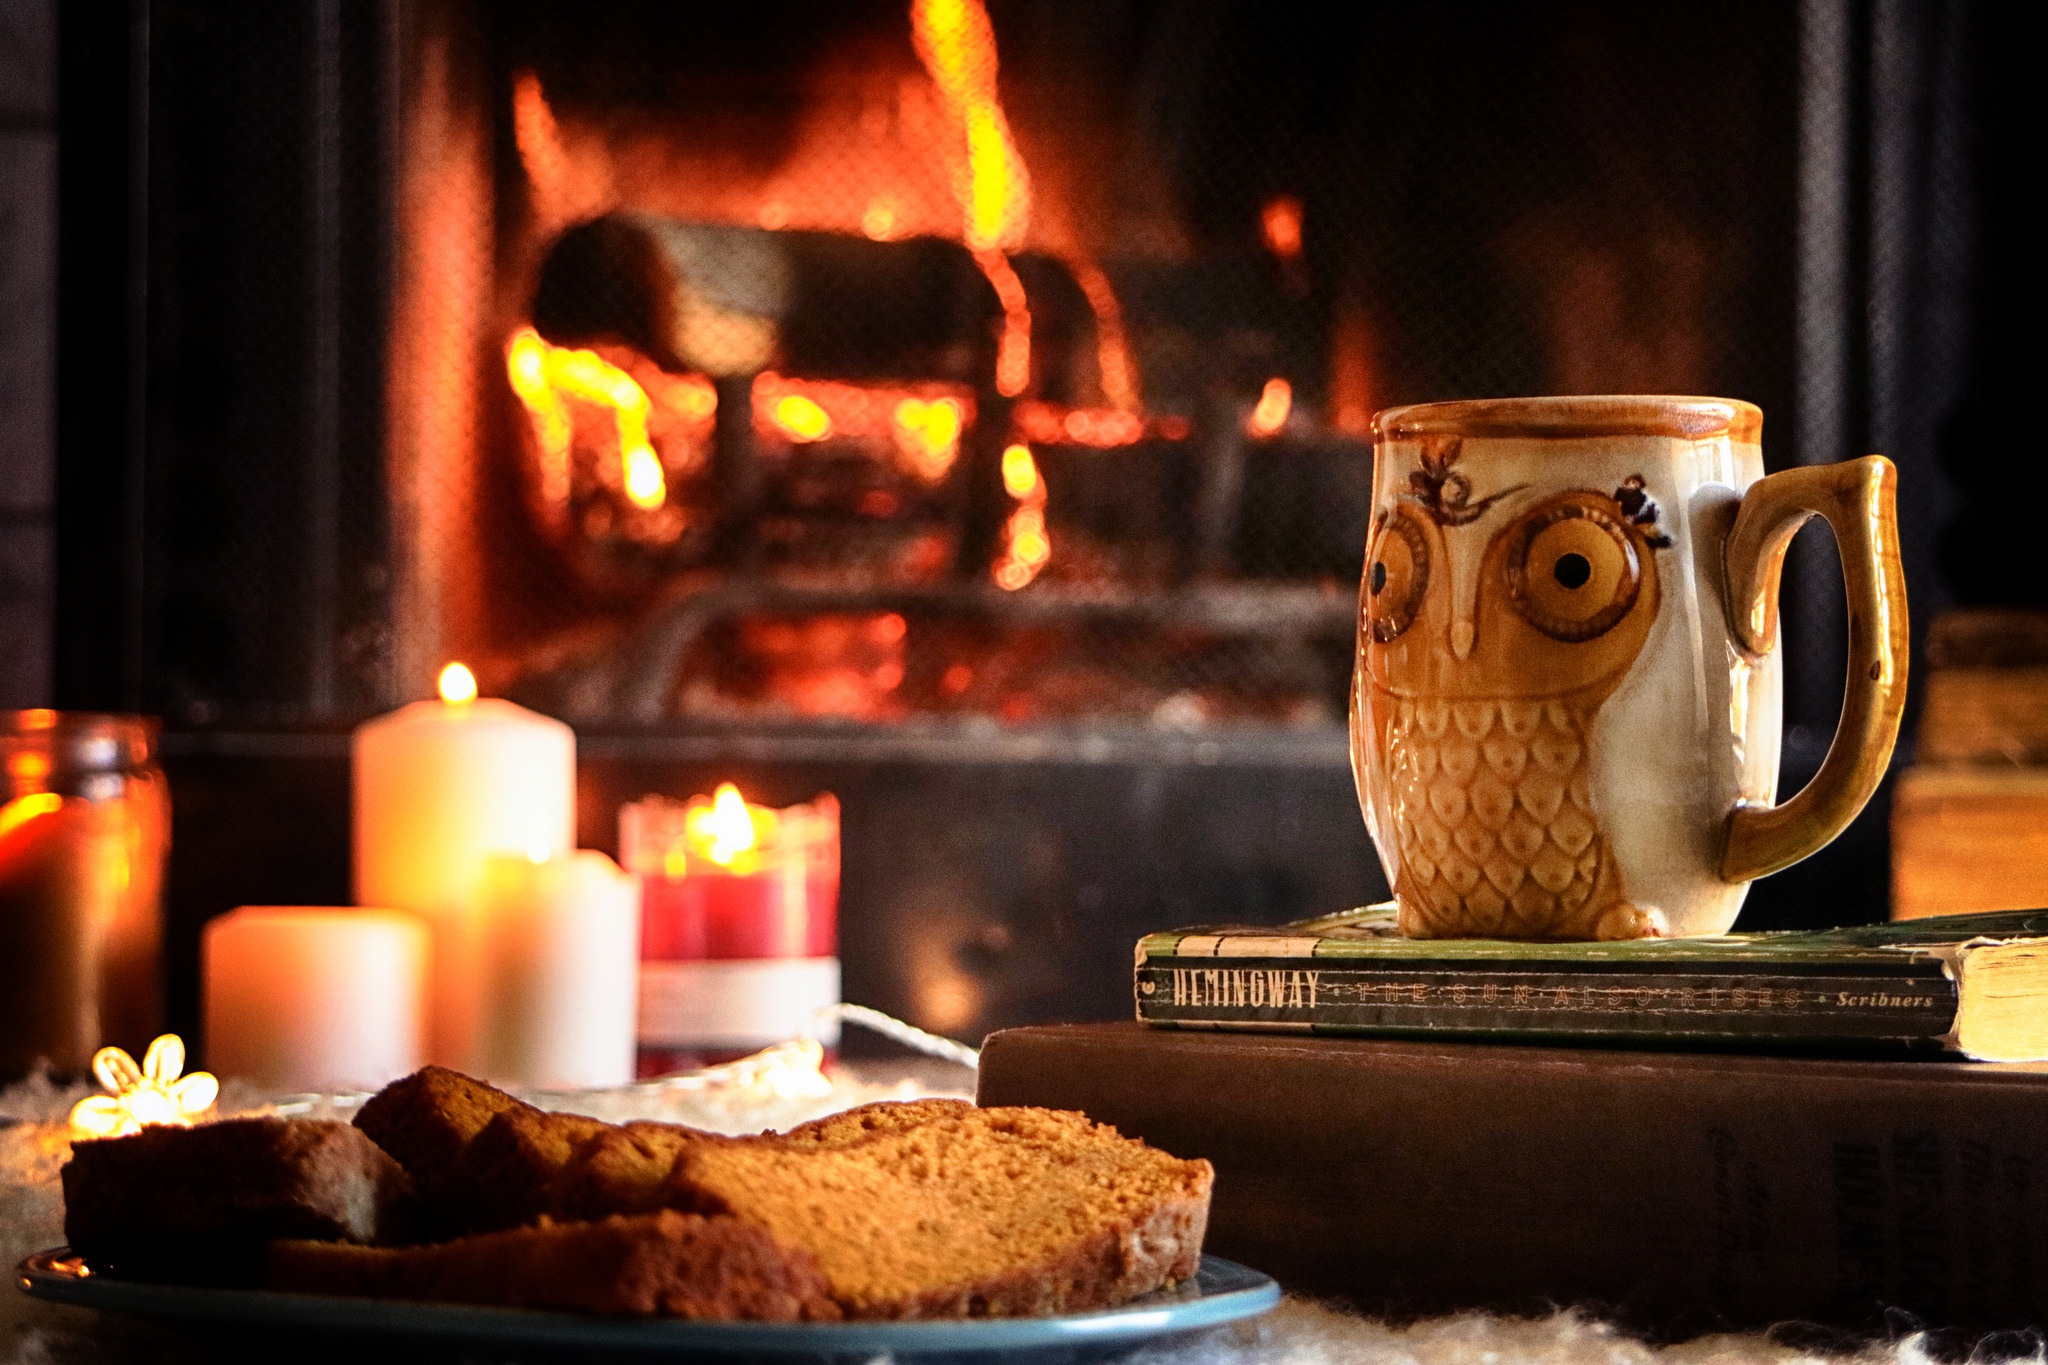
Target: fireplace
[(959, 405)]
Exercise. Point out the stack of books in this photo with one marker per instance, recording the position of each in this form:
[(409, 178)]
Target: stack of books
[(1847, 1127), (1970, 815)]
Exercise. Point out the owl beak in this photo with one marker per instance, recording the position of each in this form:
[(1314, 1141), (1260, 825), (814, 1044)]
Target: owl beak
[(1462, 635)]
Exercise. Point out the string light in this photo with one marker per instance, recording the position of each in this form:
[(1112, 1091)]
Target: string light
[(139, 1096)]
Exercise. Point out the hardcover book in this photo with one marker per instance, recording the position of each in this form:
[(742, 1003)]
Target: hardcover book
[(1682, 1190), (1970, 985)]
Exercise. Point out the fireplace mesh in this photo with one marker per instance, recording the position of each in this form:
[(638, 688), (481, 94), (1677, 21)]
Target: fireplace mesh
[(1249, 226)]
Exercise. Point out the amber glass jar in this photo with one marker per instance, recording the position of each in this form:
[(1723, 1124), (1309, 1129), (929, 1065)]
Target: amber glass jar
[(84, 827)]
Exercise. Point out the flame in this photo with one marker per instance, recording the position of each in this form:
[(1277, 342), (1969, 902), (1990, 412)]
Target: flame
[(1050, 424), (929, 435), (879, 220), (457, 684), (1020, 472), (957, 45), (800, 418), (1280, 227), (153, 1093), (1119, 372), (1276, 400), (924, 423), (1013, 352), (543, 374), (23, 809), (729, 827), (1027, 546), (539, 139)]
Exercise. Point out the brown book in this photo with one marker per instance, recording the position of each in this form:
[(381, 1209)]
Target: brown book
[(1970, 816), (1678, 1190), (1967, 839)]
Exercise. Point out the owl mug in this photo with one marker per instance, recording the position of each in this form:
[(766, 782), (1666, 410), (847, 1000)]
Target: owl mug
[(1565, 713)]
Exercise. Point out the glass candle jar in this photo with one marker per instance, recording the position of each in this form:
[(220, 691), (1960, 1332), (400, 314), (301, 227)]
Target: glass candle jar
[(84, 826), (739, 907)]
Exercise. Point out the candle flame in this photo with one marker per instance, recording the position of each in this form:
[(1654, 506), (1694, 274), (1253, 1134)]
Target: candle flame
[(23, 809), (458, 684), (730, 827), (1276, 400), (152, 1093)]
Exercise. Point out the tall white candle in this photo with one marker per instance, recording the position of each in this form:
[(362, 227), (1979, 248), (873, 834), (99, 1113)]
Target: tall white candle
[(305, 998), (560, 958), (440, 785)]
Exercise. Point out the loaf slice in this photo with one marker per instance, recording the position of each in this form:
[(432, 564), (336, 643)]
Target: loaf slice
[(425, 1120), (506, 1174), (882, 1116), (185, 1193), (986, 1213), (669, 1263), (626, 1169), (622, 1170)]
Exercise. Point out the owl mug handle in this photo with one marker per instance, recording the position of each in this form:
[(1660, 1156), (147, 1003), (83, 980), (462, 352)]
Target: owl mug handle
[(1859, 500)]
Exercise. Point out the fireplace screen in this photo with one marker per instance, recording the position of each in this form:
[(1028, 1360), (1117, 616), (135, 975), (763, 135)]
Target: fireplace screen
[(879, 362)]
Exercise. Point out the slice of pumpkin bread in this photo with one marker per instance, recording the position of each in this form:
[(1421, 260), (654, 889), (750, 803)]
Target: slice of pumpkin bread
[(425, 1120), (973, 1213), (671, 1263), (187, 1193), (622, 1170), (882, 1116)]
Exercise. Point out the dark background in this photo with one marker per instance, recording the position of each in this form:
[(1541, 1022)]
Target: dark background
[(194, 261)]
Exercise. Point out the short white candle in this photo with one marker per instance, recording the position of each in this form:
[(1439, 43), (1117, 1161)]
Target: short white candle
[(308, 998), (439, 785), (560, 960)]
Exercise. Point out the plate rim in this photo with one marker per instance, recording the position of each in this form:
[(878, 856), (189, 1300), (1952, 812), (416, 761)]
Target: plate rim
[(41, 1277)]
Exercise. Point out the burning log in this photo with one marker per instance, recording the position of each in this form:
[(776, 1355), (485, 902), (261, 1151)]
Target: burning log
[(733, 300), (729, 302)]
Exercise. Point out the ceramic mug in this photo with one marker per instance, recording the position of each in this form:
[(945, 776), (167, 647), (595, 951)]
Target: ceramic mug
[(1565, 714)]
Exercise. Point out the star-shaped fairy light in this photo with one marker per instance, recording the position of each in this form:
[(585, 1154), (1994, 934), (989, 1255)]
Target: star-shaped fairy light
[(152, 1093)]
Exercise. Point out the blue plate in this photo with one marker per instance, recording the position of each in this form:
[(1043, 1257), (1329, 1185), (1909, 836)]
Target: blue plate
[(1222, 1291)]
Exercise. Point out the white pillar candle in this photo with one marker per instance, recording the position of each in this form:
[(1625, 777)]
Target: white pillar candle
[(560, 959), (439, 785), (307, 998)]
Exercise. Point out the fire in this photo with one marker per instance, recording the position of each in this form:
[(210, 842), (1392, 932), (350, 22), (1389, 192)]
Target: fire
[(800, 418), (929, 435), (1269, 415), (879, 220), (729, 827), (1112, 351), (1013, 352), (1020, 472), (544, 375), (923, 423), (457, 684), (957, 45), (1027, 546), (1280, 227), (1050, 424), (539, 139)]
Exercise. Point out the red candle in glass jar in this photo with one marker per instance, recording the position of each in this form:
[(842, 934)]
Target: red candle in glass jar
[(738, 923)]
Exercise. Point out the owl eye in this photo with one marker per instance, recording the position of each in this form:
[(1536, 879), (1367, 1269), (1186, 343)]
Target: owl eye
[(1396, 577), (1572, 571)]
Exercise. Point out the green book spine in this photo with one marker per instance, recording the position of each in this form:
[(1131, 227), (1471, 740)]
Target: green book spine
[(1355, 974), (1916, 1003)]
